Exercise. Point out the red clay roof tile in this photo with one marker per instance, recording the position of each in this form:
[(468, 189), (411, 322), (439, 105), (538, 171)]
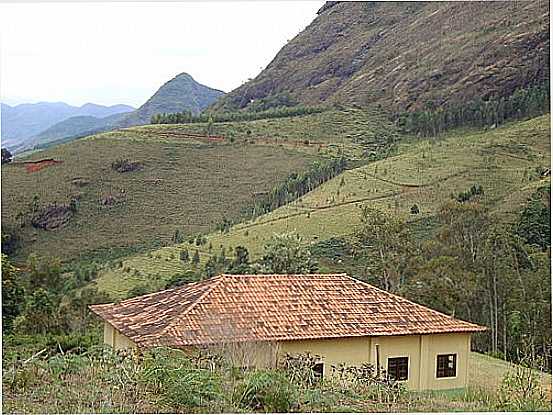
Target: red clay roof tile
[(240, 308)]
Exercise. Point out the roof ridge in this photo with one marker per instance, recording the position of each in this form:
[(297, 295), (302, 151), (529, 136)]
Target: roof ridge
[(409, 301), (149, 295), (215, 283)]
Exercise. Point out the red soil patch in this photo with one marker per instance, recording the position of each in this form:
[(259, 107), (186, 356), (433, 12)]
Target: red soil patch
[(32, 166)]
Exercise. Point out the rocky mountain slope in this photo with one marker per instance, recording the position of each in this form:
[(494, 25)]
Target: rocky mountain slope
[(404, 55), (182, 93)]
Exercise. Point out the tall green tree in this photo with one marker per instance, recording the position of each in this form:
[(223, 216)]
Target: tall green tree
[(386, 243), (13, 294), (287, 254), (534, 222)]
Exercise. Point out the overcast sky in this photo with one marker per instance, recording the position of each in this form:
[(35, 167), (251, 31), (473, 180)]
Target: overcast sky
[(120, 53)]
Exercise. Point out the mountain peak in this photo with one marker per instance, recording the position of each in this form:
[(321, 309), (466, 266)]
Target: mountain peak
[(181, 93)]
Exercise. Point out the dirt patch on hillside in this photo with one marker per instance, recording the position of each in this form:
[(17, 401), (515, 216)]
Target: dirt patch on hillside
[(52, 217), (32, 166)]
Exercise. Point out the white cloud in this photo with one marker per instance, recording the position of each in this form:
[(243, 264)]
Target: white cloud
[(122, 52)]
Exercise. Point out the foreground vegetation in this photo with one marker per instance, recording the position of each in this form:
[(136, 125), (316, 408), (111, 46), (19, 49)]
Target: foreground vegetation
[(163, 380)]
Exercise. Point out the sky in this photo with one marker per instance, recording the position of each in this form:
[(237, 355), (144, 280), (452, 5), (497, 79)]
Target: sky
[(121, 53)]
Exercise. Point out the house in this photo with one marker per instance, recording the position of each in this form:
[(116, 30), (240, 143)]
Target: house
[(263, 317)]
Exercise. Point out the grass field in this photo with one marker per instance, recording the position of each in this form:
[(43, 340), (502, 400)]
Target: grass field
[(182, 184), (348, 132), (185, 183), (425, 173)]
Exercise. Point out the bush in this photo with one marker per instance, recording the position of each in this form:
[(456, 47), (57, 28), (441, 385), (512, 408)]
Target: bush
[(521, 390), (172, 374), (266, 390), (125, 165), (300, 368)]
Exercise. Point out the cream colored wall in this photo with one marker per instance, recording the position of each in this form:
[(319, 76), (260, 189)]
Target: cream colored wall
[(399, 346), (348, 350), (248, 355), (115, 339), (445, 344), (422, 352)]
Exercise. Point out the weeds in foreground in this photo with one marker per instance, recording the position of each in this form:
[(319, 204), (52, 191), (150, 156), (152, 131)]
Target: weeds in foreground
[(521, 390), (165, 380)]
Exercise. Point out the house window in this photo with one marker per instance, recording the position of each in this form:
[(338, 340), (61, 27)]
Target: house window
[(447, 366), (398, 368), (318, 370)]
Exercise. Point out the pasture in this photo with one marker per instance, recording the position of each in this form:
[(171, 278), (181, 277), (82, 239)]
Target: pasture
[(504, 161)]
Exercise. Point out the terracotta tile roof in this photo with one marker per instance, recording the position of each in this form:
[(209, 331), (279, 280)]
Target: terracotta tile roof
[(236, 308)]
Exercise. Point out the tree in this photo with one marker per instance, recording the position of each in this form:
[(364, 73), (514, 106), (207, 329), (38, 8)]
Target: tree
[(6, 156), (287, 254), (184, 256), (441, 283), (209, 127), (464, 226), (74, 310), (180, 279), (45, 273), (40, 313), (241, 262), (386, 243), (13, 294), (534, 222), (10, 239), (196, 258)]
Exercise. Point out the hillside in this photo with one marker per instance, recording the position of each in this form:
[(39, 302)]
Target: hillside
[(404, 55), (168, 192), (182, 93), (22, 122), (73, 127), (425, 172)]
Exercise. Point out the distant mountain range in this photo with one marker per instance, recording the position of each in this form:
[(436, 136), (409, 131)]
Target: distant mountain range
[(182, 93), (22, 123), (29, 126), (405, 55)]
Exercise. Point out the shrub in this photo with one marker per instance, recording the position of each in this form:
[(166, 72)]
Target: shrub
[(521, 390), (125, 165), (265, 390), (299, 368), (171, 373)]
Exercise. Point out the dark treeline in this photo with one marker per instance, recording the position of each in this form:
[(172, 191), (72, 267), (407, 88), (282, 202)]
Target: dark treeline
[(298, 184), (473, 268), (524, 103), (186, 117)]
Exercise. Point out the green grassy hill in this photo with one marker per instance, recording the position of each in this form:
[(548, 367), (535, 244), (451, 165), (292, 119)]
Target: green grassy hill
[(183, 183), (425, 172)]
